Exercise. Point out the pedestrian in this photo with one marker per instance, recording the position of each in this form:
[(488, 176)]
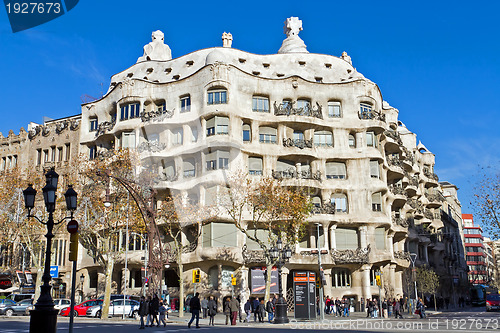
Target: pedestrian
[(384, 308), (212, 310), (162, 310), (262, 311), (150, 317), (390, 307), (227, 310), (338, 310), (327, 304), (345, 305), (255, 308), (421, 308), (397, 310), (248, 310), (234, 306), (153, 310), (369, 308), (143, 310), (195, 306), (204, 307), (270, 310)]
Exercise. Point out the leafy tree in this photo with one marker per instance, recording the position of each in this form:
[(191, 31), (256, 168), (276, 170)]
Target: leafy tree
[(487, 200), (265, 210), (178, 216), (427, 282)]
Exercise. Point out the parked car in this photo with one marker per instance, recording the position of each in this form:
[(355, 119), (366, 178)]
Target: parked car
[(492, 302), (113, 296), (19, 308), (81, 309), (20, 297), (61, 303), (6, 304), (116, 308)]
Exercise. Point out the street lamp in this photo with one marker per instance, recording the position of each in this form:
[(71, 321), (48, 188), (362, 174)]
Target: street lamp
[(280, 256), (44, 316), (413, 257)]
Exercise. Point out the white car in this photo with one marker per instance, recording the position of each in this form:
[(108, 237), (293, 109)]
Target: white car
[(116, 308), (61, 303)]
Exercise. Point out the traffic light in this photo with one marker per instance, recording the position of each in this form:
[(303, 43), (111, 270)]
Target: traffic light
[(233, 280), (196, 275), (73, 247)]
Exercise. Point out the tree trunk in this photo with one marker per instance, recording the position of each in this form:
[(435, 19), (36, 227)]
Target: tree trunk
[(435, 307), (107, 290), (267, 293), (181, 287)]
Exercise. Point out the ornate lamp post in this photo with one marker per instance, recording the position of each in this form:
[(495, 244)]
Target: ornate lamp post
[(280, 255), (44, 316)]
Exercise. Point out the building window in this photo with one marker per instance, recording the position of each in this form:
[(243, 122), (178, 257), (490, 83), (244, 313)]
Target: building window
[(380, 238), (334, 110), (260, 104), (53, 153), (128, 140), (92, 152), (218, 96), (365, 110), (93, 124), (267, 134), (129, 111), (38, 156), (218, 234), (377, 202), (352, 141), (68, 151), (218, 159), (59, 154), (336, 170), (346, 238), (340, 202), (186, 103), (189, 167), (371, 139), (194, 134), (323, 139), (45, 155), (260, 234), (247, 133), (374, 169), (177, 136), (341, 278), (255, 166), (303, 104), (217, 125), (298, 136)]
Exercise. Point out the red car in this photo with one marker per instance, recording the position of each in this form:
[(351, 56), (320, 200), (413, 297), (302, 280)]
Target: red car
[(81, 309), (492, 302)]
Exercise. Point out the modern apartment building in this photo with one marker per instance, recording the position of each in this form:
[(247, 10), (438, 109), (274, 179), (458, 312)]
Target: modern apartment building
[(476, 255)]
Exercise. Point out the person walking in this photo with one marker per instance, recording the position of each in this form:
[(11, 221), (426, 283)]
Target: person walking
[(270, 310), (384, 308), (421, 308), (248, 310), (204, 307), (234, 307), (338, 311), (255, 309), (150, 317), (212, 310), (195, 306), (345, 305), (143, 310), (369, 308), (397, 310), (162, 310), (227, 310), (153, 310)]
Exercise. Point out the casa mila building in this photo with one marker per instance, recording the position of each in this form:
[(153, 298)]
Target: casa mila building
[(310, 120)]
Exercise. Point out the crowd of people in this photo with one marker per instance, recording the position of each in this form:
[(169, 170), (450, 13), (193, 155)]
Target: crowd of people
[(153, 310)]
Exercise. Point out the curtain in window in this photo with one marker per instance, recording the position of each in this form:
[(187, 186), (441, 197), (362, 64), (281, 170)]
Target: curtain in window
[(380, 238), (346, 238)]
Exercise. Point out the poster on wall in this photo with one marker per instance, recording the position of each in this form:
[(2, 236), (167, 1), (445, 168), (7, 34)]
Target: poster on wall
[(258, 280)]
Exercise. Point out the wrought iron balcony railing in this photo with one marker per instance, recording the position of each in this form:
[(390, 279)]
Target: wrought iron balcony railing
[(299, 143), (287, 109)]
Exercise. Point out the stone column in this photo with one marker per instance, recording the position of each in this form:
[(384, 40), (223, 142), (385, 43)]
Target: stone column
[(333, 239), (125, 277), (244, 289), (312, 235), (390, 244), (392, 278), (324, 225), (363, 240), (365, 281)]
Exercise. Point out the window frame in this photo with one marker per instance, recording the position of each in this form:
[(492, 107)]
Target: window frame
[(185, 103), (217, 96), (331, 108), (260, 104)]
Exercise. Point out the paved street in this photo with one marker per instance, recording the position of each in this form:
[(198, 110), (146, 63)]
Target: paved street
[(470, 320)]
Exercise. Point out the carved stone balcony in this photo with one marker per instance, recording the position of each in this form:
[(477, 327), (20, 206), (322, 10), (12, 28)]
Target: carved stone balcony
[(394, 136), (374, 115), (401, 221), (431, 175), (403, 255), (156, 115), (417, 205), (292, 173), (253, 256), (358, 256), (151, 146), (299, 143), (105, 127), (407, 155), (289, 110), (327, 208), (393, 160), (396, 189)]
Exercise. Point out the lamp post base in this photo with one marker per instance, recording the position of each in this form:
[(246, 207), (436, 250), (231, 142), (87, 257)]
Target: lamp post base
[(281, 312), (43, 321)]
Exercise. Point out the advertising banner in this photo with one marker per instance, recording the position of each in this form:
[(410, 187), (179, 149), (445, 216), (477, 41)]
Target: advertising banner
[(258, 280)]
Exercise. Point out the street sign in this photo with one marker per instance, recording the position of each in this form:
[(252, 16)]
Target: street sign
[(54, 272), (304, 294), (72, 227)]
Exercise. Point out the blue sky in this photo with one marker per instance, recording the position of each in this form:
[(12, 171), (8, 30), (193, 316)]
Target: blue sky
[(437, 62)]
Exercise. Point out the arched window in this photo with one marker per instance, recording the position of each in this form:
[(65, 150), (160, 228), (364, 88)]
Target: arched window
[(340, 202), (247, 133), (377, 202), (185, 103), (217, 96), (255, 166), (352, 141), (374, 169)]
